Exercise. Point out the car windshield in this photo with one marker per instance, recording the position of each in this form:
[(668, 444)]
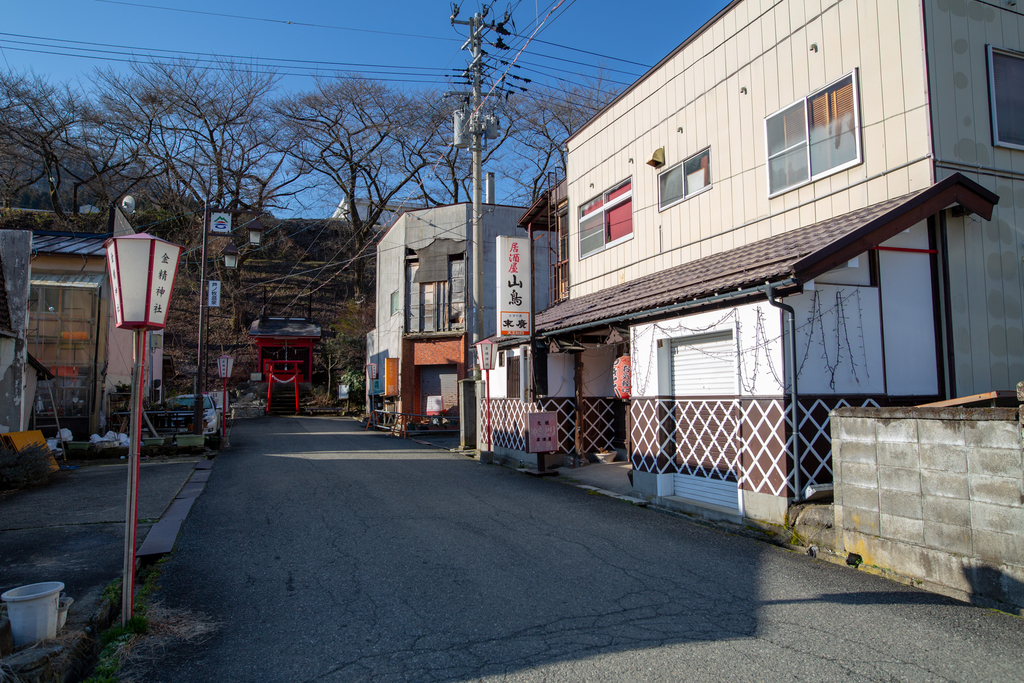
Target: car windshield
[(188, 403)]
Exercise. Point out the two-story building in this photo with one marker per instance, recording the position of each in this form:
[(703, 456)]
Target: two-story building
[(807, 204), (425, 313)]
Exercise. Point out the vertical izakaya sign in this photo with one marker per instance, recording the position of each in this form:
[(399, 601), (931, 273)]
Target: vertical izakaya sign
[(514, 286)]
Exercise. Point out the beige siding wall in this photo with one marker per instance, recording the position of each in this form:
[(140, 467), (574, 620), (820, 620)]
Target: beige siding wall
[(764, 47), (984, 256)]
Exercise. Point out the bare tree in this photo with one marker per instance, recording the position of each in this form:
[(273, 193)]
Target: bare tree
[(207, 131), (365, 140), (546, 118), (39, 119)]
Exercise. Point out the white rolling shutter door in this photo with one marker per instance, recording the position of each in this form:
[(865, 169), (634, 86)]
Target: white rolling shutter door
[(705, 365)]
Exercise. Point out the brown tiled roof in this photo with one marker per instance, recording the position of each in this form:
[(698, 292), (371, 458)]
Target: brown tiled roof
[(798, 255)]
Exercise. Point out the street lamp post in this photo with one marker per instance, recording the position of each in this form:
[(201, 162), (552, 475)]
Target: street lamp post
[(142, 271), (217, 223), (197, 390)]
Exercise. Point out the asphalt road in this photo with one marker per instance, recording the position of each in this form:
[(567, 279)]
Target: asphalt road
[(324, 553), (72, 528)]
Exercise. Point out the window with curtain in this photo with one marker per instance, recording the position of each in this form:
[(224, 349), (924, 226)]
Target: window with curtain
[(684, 180), (607, 219), (814, 137), (1006, 92)]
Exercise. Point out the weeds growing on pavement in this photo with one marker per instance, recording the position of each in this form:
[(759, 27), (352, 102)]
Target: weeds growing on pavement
[(153, 627)]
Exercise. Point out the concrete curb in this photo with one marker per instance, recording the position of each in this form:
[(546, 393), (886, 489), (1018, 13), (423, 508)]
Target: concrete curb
[(162, 535)]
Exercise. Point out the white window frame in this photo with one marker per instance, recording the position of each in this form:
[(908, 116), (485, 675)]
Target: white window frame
[(603, 209), (681, 165), (395, 303), (807, 128), (996, 142)]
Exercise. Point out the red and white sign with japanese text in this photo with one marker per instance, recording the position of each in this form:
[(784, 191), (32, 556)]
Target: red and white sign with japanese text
[(622, 377), (514, 294)]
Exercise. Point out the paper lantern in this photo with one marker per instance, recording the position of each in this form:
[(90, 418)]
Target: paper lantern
[(142, 272)]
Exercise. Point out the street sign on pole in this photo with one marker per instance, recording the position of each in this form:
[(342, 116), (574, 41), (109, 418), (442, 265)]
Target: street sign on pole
[(213, 294), (220, 223)]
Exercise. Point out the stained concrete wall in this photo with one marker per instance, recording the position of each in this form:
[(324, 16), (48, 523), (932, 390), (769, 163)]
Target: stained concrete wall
[(16, 247), (934, 494)]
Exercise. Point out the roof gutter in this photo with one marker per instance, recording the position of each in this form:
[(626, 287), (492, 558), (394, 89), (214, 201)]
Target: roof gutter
[(674, 308), (769, 290)]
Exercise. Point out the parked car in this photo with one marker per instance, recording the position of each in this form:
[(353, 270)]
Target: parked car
[(186, 402)]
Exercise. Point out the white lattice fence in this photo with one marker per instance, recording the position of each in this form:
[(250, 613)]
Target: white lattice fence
[(508, 421), (565, 409), (816, 437), (764, 446), (597, 424), (697, 437)]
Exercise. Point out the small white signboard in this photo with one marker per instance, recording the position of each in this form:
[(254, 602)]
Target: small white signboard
[(213, 294), (342, 391), (435, 405), (220, 223)]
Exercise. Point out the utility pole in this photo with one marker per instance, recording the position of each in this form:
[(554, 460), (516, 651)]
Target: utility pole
[(472, 134)]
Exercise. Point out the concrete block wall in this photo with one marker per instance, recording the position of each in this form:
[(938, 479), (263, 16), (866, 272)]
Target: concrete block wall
[(935, 494)]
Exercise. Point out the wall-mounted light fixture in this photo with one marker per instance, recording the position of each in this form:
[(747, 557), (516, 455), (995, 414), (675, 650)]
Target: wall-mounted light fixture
[(679, 129), (814, 47), (658, 158), (743, 90)]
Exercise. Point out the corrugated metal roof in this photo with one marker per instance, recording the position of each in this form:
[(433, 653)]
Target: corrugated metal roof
[(69, 243), (90, 280), (801, 254)]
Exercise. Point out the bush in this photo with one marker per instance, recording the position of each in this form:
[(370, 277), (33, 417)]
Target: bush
[(29, 466)]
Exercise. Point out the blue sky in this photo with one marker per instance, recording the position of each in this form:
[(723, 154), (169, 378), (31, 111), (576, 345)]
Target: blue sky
[(406, 41), (410, 43)]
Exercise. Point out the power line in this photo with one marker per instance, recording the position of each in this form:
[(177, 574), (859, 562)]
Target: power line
[(273, 21), (119, 49), (309, 74)]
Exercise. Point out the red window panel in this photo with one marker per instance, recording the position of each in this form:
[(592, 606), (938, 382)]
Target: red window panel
[(619, 220)]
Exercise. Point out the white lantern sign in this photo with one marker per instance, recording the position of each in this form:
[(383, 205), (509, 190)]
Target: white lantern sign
[(142, 272), (225, 364)]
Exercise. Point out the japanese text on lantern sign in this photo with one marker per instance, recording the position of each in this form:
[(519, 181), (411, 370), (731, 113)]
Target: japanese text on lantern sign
[(513, 286), (163, 272)]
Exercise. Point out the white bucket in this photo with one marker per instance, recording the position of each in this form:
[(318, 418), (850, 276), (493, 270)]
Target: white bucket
[(32, 610)]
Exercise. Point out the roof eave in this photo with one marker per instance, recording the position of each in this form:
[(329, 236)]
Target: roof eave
[(957, 189)]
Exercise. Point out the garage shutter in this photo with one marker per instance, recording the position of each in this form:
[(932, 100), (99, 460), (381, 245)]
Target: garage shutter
[(439, 380), (705, 365), (703, 491)]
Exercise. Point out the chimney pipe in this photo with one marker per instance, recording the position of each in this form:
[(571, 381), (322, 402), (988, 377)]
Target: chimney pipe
[(489, 187)]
